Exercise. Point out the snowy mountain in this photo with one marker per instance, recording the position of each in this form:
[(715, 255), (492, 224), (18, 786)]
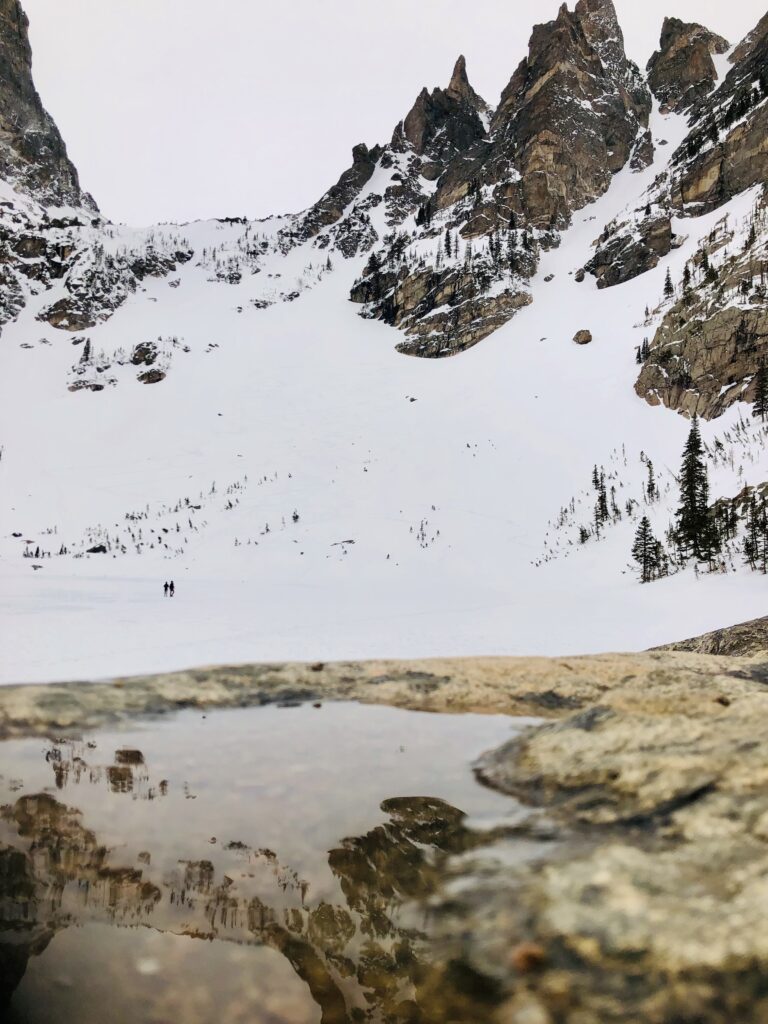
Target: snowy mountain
[(234, 405)]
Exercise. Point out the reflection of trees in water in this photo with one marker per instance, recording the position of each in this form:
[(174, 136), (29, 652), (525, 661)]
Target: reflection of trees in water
[(358, 958)]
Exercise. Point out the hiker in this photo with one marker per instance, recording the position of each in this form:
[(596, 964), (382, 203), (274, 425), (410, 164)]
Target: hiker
[(166, 588), (172, 588)]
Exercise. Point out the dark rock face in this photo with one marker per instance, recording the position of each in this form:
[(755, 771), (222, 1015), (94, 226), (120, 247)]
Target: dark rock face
[(575, 111), (98, 284), (442, 123), (33, 156), (725, 152), (572, 112), (332, 205), (713, 338), (682, 71), (624, 256)]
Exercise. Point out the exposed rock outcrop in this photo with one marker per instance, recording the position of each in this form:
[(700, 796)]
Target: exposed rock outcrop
[(575, 111), (442, 123), (682, 71), (652, 779), (330, 208), (33, 156), (625, 255), (724, 153), (713, 337), (744, 640)]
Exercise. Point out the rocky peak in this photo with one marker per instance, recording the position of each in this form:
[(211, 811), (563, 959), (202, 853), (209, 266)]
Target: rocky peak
[(681, 72), (33, 156), (461, 91), (442, 123), (574, 112), (600, 25)]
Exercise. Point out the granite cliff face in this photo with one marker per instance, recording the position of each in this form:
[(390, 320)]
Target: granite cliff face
[(33, 156), (575, 112), (682, 71), (454, 211), (724, 153)]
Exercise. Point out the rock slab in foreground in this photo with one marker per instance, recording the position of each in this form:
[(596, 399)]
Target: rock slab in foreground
[(653, 774)]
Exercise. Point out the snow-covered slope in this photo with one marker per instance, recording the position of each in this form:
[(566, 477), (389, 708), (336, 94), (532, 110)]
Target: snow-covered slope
[(423, 488), (204, 404)]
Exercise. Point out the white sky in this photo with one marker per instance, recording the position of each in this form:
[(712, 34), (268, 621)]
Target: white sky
[(182, 109)]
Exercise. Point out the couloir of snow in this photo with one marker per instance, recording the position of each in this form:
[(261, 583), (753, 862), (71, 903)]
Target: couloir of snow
[(447, 498)]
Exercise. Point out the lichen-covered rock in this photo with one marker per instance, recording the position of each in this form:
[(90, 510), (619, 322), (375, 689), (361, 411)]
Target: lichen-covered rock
[(744, 640)]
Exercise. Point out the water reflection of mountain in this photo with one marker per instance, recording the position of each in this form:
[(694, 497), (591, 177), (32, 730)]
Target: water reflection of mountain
[(362, 958)]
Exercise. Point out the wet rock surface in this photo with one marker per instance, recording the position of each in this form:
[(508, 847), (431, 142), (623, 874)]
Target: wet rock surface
[(652, 774)]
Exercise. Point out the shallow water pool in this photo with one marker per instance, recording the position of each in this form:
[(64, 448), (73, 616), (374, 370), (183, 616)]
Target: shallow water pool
[(261, 865)]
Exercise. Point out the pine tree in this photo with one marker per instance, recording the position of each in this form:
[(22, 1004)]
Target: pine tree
[(651, 489), (695, 534), (647, 551), (602, 515), (756, 537), (760, 408), (686, 278), (669, 289)]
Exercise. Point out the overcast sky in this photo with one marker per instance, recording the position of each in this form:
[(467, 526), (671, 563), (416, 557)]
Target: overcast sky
[(182, 109)]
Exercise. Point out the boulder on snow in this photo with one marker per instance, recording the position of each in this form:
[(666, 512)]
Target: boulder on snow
[(144, 354), (151, 377), (582, 337)]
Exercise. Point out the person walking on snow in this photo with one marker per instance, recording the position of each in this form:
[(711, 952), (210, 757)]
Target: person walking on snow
[(166, 588), (172, 588)]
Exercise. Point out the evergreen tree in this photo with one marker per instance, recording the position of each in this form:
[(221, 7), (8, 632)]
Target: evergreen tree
[(756, 538), (647, 552), (695, 534), (760, 408), (669, 289), (651, 489), (686, 278), (602, 515)]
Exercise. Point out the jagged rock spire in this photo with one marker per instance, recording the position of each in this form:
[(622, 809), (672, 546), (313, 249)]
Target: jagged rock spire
[(682, 71), (442, 123), (460, 89)]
